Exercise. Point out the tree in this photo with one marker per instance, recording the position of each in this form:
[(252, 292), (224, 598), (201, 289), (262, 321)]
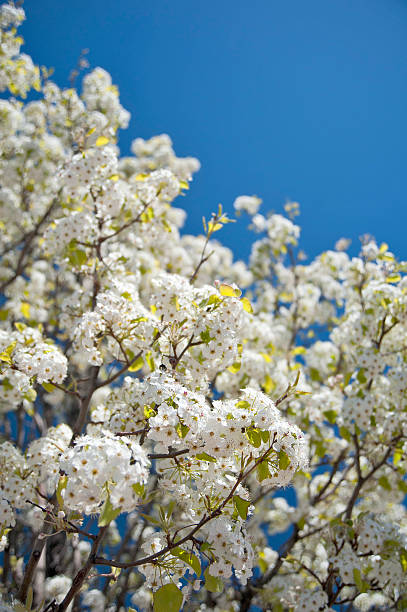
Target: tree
[(152, 414)]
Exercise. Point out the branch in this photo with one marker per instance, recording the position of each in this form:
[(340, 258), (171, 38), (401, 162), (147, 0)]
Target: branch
[(206, 519), (83, 573), (27, 243)]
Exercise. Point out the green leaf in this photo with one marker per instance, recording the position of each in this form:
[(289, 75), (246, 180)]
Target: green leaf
[(384, 483), (63, 481), (398, 456), (139, 489), (150, 361), (136, 365), (206, 336), (263, 471), (189, 558), (77, 257), (242, 506), (263, 565), (283, 460), (5, 357), (182, 430), (361, 584), (228, 291), (254, 437), (242, 404), (168, 599), (235, 367), (402, 486), (212, 584), (101, 141), (330, 416), (49, 387), (268, 385), (149, 518), (25, 309), (108, 513), (361, 376), (147, 215), (345, 433), (246, 305), (403, 559), (315, 375), (205, 457), (320, 449)]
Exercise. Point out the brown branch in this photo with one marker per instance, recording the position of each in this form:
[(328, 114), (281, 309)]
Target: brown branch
[(83, 572), (83, 411), (205, 519), (28, 239), (170, 455)]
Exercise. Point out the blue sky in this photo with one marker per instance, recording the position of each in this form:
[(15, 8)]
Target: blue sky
[(289, 100)]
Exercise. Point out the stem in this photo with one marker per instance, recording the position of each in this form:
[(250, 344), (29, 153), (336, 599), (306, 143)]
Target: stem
[(83, 411), (83, 572)]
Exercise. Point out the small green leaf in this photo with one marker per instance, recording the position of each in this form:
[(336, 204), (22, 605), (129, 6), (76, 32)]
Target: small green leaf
[(25, 309), (77, 257), (108, 513), (361, 376), (320, 449), (49, 387), (205, 457), (213, 584), (402, 486), (246, 305), (206, 336), (263, 471), (63, 481), (361, 584), (139, 489), (150, 361), (101, 141), (242, 506), (403, 559), (189, 558), (150, 519), (398, 456), (136, 365), (384, 483), (345, 433), (254, 437), (229, 291), (182, 430), (315, 375), (330, 416), (268, 385), (242, 404), (168, 599), (235, 367), (283, 460)]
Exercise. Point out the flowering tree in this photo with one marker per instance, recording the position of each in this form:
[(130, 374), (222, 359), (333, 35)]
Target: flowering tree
[(152, 415)]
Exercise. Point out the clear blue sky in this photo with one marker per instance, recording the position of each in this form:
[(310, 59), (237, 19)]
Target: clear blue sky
[(285, 99)]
